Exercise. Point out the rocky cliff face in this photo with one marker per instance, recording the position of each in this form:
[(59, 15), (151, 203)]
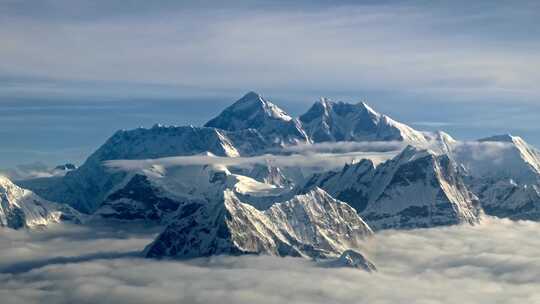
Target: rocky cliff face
[(417, 188), (310, 225)]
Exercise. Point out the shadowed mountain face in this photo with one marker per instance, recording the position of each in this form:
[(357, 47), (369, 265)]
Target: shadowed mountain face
[(417, 188)]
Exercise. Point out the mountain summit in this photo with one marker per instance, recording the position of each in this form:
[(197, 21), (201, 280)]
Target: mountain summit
[(254, 112), (338, 121)]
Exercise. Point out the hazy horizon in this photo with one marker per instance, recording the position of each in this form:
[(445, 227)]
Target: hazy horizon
[(470, 69), (56, 132)]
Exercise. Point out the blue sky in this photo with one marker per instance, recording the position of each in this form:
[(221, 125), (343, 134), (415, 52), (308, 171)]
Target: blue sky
[(470, 68)]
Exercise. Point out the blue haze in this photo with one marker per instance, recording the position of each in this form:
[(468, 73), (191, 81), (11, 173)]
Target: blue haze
[(55, 132)]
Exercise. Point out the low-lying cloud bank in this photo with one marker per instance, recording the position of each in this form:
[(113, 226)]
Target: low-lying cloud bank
[(495, 262)]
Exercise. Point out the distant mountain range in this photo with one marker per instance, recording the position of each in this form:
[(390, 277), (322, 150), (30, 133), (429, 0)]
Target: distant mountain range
[(213, 208)]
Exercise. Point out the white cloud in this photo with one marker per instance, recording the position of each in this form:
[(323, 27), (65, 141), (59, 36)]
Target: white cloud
[(345, 147), (32, 170), (495, 262), (315, 161)]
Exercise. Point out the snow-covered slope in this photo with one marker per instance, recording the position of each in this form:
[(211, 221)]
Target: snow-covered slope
[(420, 189), (497, 157), (504, 172), (21, 208), (338, 121), (506, 198), (500, 157), (310, 225), (86, 187), (417, 188), (351, 184), (155, 192), (265, 173), (254, 112)]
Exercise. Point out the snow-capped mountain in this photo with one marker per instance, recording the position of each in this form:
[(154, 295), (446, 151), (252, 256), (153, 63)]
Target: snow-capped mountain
[(504, 172), (254, 112), (254, 126), (338, 121), (310, 225), (417, 188), (507, 199), (155, 191), (352, 184), (500, 157), (21, 208), (86, 187), (251, 126)]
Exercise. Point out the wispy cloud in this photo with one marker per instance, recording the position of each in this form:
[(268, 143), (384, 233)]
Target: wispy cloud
[(345, 147), (315, 161), (405, 46)]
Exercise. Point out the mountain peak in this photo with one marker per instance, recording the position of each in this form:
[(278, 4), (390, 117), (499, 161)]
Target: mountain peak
[(368, 108), (251, 94), (339, 121), (252, 106), (327, 103), (253, 111), (251, 97)]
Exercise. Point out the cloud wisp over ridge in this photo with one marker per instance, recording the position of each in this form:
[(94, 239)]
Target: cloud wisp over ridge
[(323, 161)]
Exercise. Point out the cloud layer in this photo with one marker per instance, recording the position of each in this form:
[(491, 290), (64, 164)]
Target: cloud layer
[(495, 262)]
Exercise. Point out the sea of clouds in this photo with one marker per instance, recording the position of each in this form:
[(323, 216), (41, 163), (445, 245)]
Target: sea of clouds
[(494, 262)]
